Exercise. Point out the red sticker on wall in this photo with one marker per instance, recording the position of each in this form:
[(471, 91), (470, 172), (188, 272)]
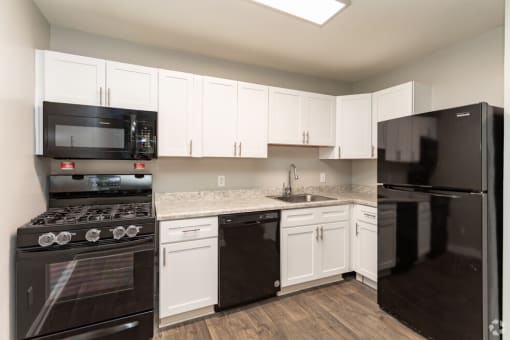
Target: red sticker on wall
[(139, 166), (67, 166)]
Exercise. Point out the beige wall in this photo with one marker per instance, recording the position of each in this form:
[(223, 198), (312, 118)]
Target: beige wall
[(184, 174), (468, 72), (71, 41), (181, 174), (22, 29)]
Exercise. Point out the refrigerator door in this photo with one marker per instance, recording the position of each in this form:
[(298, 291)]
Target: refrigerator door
[(431, 271), (440, 149)]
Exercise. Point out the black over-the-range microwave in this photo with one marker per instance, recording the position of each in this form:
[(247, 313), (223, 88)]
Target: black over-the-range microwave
[(96, 132)]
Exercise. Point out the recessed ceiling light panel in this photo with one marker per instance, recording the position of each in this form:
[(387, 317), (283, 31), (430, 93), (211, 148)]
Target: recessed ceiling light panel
[(316, 11)]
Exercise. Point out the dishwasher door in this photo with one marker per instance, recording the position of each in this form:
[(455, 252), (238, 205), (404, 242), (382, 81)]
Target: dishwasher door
[(249, 258)]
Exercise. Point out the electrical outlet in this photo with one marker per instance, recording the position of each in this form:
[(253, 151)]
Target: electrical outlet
[(221, 181), (322, 177)]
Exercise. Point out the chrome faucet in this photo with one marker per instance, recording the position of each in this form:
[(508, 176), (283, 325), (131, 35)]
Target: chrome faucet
[(288, 190)]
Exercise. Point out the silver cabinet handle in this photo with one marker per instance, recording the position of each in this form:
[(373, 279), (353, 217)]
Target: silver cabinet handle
[(109, 97), (191, 147), (339, 151), (190, 230), (373, 148), (101, 95), (307, 137), (235, 149), (317, 234), (357, 228), (240, 148), (369, 215), (164, 257), (322, 232), (304, 137)]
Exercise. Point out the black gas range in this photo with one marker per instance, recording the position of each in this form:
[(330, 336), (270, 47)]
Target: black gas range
[(85, 267)]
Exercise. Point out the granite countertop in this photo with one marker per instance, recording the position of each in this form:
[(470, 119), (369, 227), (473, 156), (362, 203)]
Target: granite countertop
[(174, 206)]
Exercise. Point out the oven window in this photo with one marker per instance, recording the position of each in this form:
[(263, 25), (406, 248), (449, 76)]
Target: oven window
[(89, 137), (83, 278)]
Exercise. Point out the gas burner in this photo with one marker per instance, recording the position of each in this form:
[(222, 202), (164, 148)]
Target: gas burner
[(93, 213)]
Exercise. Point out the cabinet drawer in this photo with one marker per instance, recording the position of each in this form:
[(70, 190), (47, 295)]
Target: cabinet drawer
[(184, 230), (297, 217), (367, 214), (335, 213)]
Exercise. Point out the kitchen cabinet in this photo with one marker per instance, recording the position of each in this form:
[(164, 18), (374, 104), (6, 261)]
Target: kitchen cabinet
[(364, 242), (179, 116), (131, 86), (401, 100), (252, 115), (68, 78), (354, 129), (188, 267), (314, 244), (301, 118), (219, 118)]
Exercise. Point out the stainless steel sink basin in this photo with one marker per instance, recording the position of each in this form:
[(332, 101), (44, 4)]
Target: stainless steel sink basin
[(302, 198)]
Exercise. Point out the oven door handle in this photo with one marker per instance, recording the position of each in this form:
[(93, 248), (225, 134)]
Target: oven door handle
[(95, 250)]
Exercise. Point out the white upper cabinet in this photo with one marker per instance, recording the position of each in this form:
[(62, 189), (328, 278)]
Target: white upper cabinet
[(75, 79), (252, 120), (353, 129), (219, 118), (179, 116), (301, 118), (286, 116), (401, 100), (131, 86), (319, 119), (70, 78)]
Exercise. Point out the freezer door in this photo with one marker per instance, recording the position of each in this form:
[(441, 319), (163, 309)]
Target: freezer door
[(443, 149), (431, 271)]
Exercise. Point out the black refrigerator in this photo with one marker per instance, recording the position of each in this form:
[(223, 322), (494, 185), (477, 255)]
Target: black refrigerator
[(440, 221)]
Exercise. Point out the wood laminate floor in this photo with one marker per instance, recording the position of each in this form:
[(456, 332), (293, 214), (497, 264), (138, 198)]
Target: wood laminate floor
[(346, 310)]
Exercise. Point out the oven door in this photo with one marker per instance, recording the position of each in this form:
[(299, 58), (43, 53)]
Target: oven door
[(96, 132), (82, 284)]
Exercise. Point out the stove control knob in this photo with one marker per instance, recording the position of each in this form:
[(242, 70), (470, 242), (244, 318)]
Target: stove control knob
[(64, 238), (119, 232), (47, 239), (92, 235), (132, 230)]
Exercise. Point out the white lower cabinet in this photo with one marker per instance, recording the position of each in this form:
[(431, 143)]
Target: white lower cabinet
[(313, 244), (364, 242), (188, 266)]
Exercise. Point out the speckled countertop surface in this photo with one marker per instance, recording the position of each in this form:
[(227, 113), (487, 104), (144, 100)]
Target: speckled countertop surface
[(174, 206)]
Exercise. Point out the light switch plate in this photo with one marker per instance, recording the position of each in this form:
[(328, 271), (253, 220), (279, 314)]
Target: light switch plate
[(221, 181), (322, 177)]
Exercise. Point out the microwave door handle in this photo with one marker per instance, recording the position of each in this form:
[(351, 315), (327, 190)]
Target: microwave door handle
[(132, 135)]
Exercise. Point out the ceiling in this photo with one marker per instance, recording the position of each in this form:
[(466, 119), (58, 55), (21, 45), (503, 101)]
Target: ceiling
[(369, 37)]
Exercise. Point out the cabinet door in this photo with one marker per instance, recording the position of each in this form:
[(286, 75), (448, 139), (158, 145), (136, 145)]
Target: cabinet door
[(355, 126), (175, 114), (334, 248), (299, 255), (253, 109), (367, 249), (188, 276), (285, 116), (131, 86), (394, 102), (319, 119), (219, 116), (72, 79)]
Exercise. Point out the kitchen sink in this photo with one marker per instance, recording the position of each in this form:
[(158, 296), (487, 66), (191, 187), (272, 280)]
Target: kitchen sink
[(302, 198)]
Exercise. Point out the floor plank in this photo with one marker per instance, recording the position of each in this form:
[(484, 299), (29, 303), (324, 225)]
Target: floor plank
[(346, 310)]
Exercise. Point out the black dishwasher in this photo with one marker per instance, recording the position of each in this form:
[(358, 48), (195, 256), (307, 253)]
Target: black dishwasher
[(249, 257)]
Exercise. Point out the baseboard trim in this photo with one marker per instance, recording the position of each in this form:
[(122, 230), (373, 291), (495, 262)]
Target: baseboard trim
[(310, 284), (186, 316)]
